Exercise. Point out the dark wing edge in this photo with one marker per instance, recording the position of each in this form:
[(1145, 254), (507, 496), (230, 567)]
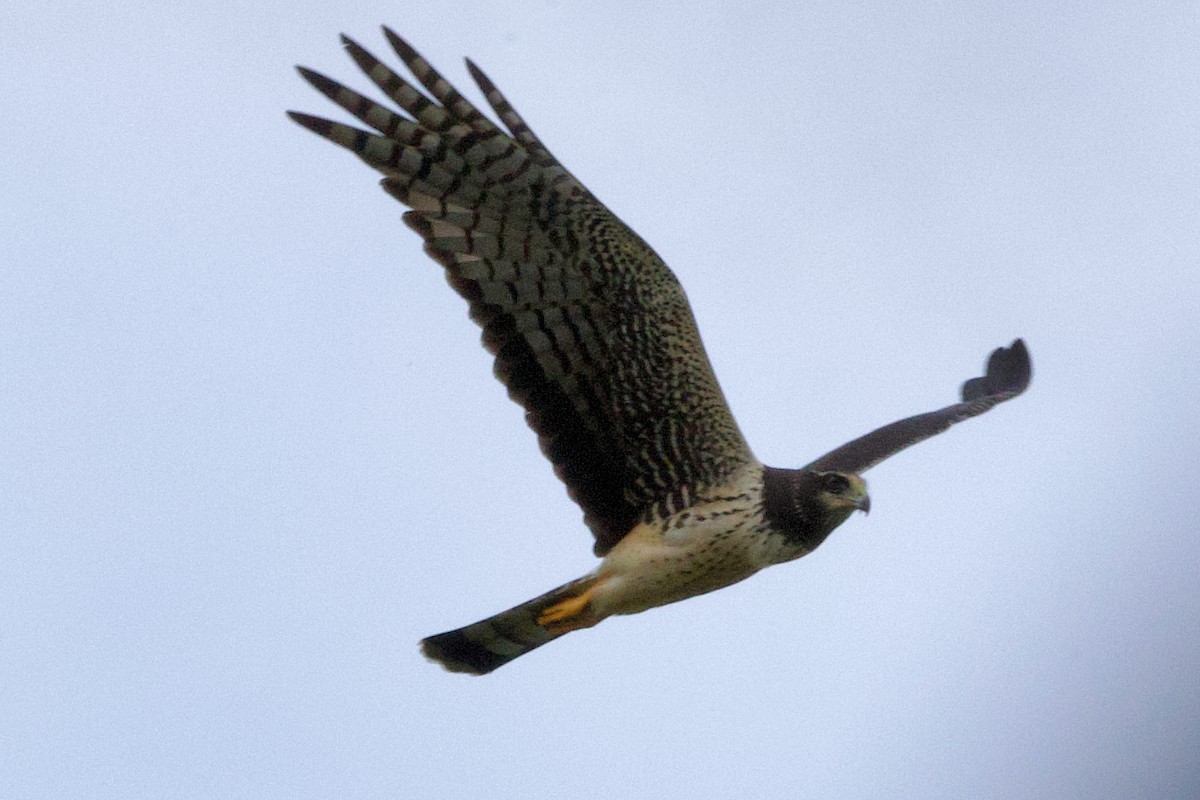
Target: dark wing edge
[(456, 169), (512, 226), (1007, 375)]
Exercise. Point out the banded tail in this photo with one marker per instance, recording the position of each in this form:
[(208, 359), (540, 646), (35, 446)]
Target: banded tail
[(491, 643)]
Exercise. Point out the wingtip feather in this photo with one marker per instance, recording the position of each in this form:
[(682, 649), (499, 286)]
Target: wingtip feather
[(317, 125), (1009, 371), (402, 48), (300, 118), (322, 83)]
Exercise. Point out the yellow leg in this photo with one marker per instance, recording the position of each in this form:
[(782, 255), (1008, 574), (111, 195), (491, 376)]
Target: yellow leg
[(570, 614)]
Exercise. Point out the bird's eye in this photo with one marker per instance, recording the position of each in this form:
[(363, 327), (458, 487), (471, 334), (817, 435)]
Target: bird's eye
[(835, 483)]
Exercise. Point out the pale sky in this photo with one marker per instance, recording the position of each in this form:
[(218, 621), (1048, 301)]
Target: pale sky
[(251, 451)]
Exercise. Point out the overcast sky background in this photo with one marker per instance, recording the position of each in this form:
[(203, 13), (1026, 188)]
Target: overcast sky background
[(251, 451)]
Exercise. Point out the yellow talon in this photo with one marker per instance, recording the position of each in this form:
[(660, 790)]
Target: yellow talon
[(570, 614)]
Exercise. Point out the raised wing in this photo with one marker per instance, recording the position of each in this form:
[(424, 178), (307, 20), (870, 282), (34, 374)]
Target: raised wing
[(1007, 375), (591, 332)]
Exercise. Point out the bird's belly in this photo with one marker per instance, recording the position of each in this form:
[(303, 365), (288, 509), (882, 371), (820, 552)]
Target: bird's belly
[(655, 564)]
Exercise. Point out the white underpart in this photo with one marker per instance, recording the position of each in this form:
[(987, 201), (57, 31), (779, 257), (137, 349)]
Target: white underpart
[(717, 542)]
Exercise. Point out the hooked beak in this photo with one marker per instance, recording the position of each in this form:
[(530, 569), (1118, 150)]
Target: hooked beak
[(864, 504)]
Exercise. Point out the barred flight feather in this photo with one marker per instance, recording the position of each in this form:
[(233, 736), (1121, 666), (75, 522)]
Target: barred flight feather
[(591, 332)]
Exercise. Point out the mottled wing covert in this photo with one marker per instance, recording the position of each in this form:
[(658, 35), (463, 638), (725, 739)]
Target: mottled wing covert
[(1007, 375), (591, 332)]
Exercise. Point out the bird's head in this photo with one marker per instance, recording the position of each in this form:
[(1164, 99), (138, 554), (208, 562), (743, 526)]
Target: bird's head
[(805, 505), (838, 494)]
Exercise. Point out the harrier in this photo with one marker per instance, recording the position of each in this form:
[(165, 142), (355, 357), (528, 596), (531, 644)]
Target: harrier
[(592, 334)]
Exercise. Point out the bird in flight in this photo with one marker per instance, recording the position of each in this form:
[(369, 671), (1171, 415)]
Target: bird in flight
[(592, 334)]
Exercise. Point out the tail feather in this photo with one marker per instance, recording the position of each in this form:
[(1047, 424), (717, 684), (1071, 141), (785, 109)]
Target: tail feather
[(489, 644)]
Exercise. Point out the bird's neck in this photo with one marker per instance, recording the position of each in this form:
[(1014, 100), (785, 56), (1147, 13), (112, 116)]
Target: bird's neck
[(791, 508)]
